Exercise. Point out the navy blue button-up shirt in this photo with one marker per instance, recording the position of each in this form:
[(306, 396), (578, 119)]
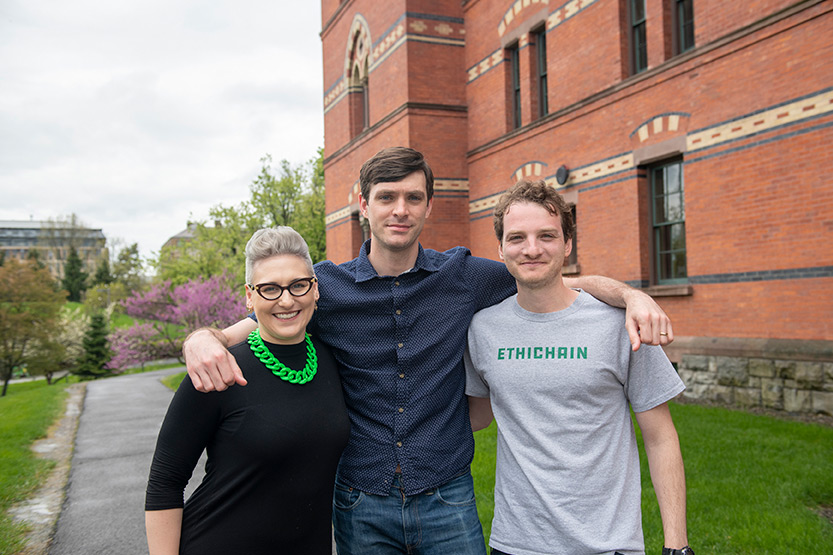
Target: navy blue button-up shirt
[(399, 341)]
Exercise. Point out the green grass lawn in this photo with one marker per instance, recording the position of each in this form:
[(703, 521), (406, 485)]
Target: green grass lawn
[(172, 381), (26, 412), (755, 483)]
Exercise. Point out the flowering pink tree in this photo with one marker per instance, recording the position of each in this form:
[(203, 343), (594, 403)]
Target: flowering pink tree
[(136, 345), (170, 313)]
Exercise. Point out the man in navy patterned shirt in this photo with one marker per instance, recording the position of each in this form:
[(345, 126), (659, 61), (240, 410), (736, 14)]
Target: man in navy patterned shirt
[(396, 318)]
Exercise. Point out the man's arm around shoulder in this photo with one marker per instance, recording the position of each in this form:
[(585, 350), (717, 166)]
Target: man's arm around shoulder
[(645, 321), (210, 365)]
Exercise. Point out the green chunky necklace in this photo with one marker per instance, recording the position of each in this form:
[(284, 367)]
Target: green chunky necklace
[(280, 369)]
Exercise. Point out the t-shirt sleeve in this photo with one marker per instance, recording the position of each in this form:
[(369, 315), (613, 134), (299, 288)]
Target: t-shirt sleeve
[(476, 386), (187, 429), (652, 379)]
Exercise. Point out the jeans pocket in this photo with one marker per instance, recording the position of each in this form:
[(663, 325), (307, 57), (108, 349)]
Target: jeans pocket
[(346, 498), (457, 492)]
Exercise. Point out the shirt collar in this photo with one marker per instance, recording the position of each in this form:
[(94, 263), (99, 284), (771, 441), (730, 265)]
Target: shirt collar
[(365, 270)]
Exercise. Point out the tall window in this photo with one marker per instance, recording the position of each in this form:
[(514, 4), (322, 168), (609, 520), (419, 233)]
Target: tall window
[(639, 43), (668, 207), (365, 100), (357, 60), (359, 103), (540, 37), (515, 70), (684, 25)]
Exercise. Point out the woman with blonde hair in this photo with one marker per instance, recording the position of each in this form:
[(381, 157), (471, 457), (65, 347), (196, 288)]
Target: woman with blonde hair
[(273, 446)]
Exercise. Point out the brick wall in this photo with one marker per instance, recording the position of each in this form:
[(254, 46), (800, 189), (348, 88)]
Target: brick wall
[(749, 111)]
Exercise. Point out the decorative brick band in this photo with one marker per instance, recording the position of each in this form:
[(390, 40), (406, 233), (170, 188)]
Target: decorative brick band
[(554, 19), (530, 170), (566, 11), (414, 27), (451, 185), (662, 123), (763, 120), (788, 113), (337, 215), (598, 170), (513, 11)]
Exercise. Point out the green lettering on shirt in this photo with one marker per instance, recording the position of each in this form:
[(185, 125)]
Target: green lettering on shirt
[(541, 352)]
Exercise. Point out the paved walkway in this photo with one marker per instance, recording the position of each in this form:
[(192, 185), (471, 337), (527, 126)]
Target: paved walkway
[(104, 507), (103, 512)]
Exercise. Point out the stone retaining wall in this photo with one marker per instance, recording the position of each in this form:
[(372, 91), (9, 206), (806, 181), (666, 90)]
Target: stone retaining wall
[(789, 385)]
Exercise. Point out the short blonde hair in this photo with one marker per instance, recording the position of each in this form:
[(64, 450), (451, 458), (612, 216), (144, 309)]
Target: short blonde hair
[(273, 241)]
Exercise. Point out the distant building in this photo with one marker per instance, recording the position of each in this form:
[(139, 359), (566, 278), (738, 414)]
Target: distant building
[(692, 139), (52, 242), (181, 238)]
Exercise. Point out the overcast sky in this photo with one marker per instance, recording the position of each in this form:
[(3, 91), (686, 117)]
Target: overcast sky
[(138, 115)]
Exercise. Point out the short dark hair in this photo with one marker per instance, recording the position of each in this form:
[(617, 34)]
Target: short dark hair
[(534, 192), (394, 164)]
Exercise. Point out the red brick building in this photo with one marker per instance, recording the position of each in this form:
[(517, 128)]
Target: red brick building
[(693, 138)]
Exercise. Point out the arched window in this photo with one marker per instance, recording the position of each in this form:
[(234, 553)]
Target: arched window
[(358, 54)]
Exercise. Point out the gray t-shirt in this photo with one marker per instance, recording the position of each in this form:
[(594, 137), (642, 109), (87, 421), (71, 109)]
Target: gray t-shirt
[(560, 385)]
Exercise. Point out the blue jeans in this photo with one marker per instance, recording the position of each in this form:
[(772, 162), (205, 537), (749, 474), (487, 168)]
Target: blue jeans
[(440, 521)]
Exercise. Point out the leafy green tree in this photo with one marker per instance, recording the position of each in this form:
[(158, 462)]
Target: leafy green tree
[(29, 307), (292, 196), (33, 255), (128, 268), (102, 272), (213, 250), (106, 297), (74, 281), (276, 197), (48, 356), (97, 353), (311, 212)]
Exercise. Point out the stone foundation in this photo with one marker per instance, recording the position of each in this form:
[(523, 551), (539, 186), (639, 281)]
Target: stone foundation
[(782, 374), (789, 385)]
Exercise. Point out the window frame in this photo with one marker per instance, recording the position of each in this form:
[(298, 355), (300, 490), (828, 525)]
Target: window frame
[(515, 84), (663, 240), (683, 15), (639, 37), (540, 36)]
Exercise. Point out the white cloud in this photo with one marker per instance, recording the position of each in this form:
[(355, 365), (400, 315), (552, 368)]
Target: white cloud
[(137, 115)]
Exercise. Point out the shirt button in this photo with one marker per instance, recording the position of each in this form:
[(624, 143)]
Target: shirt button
[(399, 444), (401, 410), (402, 376), (396, 283), (401, 345), (398, 312)]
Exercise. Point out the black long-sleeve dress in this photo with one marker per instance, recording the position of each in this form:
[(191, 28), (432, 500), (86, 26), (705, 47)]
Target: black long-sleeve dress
[(273, 448)]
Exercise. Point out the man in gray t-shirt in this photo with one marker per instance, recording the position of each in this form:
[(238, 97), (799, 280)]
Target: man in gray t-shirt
[(556, 369)]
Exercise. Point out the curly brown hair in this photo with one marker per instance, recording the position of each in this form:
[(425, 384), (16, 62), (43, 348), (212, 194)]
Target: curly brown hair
[(534, 192)]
